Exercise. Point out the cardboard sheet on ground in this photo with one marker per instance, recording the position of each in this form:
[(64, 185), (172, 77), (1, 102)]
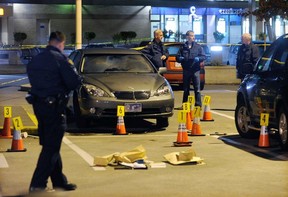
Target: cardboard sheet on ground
[(188, 156), (138, 153), (104, 160)]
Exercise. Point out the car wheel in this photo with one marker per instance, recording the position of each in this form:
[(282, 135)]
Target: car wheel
[(242, 121), (81, 121), (162, 122), (282, 128)]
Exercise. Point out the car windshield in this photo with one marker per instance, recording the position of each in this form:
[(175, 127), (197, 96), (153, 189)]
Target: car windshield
[(173, 49), (106, 63)]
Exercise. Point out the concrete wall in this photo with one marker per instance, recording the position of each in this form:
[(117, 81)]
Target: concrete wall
[(221, 75), (105, 21)]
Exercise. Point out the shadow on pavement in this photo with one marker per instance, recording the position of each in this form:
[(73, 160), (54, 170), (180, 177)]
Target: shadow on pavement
[(108, 125), (273, 152)]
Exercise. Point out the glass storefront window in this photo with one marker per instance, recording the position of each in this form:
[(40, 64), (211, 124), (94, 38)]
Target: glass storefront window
[(221, 25), (246, 25)]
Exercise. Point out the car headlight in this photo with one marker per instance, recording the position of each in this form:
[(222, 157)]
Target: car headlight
[(95, 91), (164, 89)]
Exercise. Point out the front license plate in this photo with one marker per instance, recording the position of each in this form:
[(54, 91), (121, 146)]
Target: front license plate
[(133, 107), (178, 65)]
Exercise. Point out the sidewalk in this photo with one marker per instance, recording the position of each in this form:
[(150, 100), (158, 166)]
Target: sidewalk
[(12, 69)]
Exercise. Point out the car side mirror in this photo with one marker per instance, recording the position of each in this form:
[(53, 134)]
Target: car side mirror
[(162, 70)]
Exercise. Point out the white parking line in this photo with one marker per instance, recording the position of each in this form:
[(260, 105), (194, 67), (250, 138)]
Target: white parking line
[(224, 115), (88, 158), (13, 81), (3, 162), (218, 91)]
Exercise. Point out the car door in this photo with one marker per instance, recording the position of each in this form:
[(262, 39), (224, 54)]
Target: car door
[(271, 75)]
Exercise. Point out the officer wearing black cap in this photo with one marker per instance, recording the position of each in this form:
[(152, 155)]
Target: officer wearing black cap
[(52, 78)]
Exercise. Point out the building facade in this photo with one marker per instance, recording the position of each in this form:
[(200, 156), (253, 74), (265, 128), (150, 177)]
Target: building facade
[(38, 20)]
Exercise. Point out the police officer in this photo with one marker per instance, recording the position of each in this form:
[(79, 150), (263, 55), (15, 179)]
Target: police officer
[(247, 56), (52, 77), (190, 55), (155, 50)]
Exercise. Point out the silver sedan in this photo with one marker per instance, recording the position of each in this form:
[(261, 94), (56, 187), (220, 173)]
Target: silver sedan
[(119, 77)]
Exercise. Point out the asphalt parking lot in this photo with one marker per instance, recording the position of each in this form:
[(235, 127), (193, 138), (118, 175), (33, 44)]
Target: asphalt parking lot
[(231, 166)]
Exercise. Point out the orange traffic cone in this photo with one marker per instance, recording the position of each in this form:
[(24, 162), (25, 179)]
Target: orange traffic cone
[(120, 128), (182, 136), (207, 115), (17, 142), (196, 128), (188, 121), (264, 138), (6, 132)]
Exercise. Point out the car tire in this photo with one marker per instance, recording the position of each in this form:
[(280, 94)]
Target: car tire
[(162, 122), (242, 121), (282, 128)]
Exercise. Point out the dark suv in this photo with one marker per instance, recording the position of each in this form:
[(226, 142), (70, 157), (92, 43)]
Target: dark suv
[(265, 91)]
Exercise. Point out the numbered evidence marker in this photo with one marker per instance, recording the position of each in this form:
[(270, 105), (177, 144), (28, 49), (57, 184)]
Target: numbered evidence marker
[(120, 110), (197, 112), (18, 126), (120, 128), (191, 100), (206, 100), (17, 122), (182, 136), (264, 119), (7, 112), (181, 116), (17, 143), (186, 107), (264, 136), (6, 132)]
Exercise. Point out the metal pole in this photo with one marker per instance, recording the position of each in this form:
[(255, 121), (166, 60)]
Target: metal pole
[(78, 44), (252, 20)]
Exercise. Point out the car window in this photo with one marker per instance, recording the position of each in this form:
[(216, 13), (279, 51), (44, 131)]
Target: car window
[(173, 50), (115, 63), (280, 56), (72, 55), (75, 57), (265, 60)]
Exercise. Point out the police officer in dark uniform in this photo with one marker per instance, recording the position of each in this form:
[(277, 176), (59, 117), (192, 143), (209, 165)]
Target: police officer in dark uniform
[(52, 77), (155, 50), (190, 55)]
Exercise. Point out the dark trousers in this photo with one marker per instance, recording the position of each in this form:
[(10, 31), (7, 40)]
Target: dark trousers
[(51, 128), (193, 75)]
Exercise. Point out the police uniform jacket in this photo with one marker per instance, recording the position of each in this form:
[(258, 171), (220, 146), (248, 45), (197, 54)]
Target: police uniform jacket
[(51, 74), (154, 51), (186, 56)]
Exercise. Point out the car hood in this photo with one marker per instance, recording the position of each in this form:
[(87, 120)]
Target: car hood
[(125, 82)]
